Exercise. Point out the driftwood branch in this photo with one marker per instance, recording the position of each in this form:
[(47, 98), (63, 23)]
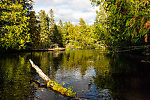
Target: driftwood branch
[(39, 71), (54, 85)]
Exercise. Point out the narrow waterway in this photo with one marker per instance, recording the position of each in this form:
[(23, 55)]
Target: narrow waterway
[(90, 73)]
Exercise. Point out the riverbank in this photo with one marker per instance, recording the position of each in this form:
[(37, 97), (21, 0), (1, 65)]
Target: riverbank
[(31, 50), (138, 50)]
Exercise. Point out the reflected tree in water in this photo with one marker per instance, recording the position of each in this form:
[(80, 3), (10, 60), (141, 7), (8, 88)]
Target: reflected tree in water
[(16, 78)]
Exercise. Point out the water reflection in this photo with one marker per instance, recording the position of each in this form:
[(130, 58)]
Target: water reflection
[(93, 75), (14, 77)]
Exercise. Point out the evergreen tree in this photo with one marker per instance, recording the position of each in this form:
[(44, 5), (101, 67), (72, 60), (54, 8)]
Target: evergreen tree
[(52, 20), (82, 22), (60, 24), (14, 25), (55, 32), (44, 29), (65, 33), (56, 36), (78, 36), (34, 30)]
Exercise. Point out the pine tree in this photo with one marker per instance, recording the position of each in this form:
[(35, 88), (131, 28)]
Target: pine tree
[(56, 36), (60, 24), (82, 22), (34, 29), (52, 20), (14, 25), (44, 29)]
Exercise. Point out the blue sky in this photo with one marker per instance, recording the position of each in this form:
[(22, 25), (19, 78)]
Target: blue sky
[(68, 10)]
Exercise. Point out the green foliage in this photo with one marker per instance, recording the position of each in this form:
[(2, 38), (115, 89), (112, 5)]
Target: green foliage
[(50, 33), (56, 36), (52, 20), (44, 29), (79, 36), (64, 91), (21, 27), (34, 30), (82, 22), (118, 24), (60, 24), (14, 25), (122, 23)]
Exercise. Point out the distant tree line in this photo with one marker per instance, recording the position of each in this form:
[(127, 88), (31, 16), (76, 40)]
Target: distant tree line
[(48, 34), (21, 28), (119, 23)]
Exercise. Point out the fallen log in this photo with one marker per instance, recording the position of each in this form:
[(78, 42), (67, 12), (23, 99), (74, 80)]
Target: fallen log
[(52, 84), (54, 49), (39, 71)]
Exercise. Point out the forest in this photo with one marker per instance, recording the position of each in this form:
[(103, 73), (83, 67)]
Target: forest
[(118, 24), (106, 60)]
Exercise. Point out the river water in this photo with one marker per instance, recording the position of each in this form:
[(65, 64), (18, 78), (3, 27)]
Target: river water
[(92, 74)]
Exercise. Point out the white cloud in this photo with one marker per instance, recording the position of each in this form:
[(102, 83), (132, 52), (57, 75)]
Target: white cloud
[(68, 10), (82, 5)]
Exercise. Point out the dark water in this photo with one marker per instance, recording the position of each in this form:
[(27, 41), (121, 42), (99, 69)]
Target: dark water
[(93, 75)]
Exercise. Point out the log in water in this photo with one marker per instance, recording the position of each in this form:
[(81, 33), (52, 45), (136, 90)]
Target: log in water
[(54, 85), (39, 71)]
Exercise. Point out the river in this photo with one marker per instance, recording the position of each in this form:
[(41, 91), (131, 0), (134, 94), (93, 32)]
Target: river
[(92, 74)]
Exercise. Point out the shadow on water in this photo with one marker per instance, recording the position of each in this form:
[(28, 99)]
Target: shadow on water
[(14, 77), (93, 75)]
